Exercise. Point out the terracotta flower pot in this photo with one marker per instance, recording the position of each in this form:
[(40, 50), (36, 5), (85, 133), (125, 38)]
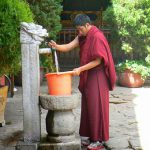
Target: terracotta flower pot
[(2, 80), (130, 79), (3, 100), (59, 83)]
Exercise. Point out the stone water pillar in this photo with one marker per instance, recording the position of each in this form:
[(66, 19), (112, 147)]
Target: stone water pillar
[(60, 121), (31, 36)]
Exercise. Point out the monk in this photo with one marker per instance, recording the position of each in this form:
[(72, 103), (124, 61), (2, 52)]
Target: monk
[(97, 78)]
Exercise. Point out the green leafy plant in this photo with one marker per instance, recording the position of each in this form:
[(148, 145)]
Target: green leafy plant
[(129, 22), (47, 61), (12, 12), (135, 66)]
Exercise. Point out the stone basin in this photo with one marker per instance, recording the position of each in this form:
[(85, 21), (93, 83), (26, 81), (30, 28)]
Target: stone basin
[(66, 102)]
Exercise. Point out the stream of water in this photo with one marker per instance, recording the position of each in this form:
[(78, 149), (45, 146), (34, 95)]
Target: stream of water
[(56, 61)]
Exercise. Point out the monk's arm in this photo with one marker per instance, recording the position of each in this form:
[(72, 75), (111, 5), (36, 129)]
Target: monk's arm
[(88, 66), (65, 47)]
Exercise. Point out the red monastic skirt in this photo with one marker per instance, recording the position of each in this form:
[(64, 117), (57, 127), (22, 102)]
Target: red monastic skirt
[(95, 106)]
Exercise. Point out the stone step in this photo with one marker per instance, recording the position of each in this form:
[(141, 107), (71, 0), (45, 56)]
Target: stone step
[(75, 145)]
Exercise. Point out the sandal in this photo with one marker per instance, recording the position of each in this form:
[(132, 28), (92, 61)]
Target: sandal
[(85, 142), (95, 146)]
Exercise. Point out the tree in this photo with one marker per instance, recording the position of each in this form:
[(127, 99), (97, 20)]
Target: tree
[(130, 25), (47, 13)]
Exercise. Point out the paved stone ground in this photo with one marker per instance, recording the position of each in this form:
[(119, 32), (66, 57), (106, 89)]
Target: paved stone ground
[(129, 119)]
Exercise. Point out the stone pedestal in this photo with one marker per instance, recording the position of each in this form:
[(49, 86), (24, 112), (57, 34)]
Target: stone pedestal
[(60, 119)]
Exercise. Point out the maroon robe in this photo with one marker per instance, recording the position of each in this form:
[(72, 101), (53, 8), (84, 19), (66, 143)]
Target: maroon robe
[(95, 85)]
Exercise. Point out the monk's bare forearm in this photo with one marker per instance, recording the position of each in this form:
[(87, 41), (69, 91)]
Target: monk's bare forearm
[(69, 46), (90, 65), (63, 47)]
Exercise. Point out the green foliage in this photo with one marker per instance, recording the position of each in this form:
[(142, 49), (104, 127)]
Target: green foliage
[(12, 12), (148, 59), (47, 61), (130, 25), (129, 21), (135, 66), (47, 13)]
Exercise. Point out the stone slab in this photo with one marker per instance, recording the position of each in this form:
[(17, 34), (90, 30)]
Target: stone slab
[(118, 143), (27, 146), (61, 146), (61, 139), (135, 143), (8, 148)]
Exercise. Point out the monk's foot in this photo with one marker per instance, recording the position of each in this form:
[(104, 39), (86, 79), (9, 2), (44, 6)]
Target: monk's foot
[(95, 146), (85, 142)]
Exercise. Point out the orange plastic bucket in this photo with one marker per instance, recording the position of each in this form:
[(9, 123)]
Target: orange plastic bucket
[(59, 83)]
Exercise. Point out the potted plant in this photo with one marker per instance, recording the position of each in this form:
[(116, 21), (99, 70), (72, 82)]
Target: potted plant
[(3, 100), (2, 80), (132, 73)]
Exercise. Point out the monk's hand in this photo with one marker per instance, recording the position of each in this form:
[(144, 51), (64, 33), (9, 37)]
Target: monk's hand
[(52, 44), (76, 71)]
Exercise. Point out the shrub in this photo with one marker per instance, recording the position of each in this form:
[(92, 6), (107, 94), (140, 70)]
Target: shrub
[(12, 12), (130, 25)]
